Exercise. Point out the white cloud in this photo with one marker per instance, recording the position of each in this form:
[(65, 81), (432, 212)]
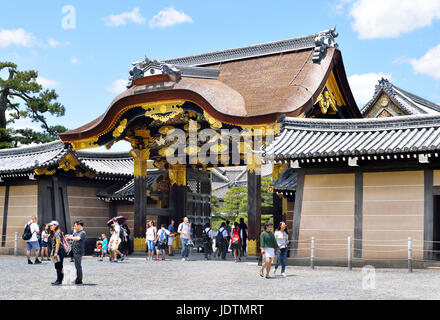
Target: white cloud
[(53, 43), (118, 86), (46, 83), (429, 64), (363, 85), (169, 17), (391, 18), (18, 37), (74, 60), (116, 20)]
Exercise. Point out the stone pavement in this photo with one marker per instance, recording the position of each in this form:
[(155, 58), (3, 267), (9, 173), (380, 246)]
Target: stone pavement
[(213, 280)]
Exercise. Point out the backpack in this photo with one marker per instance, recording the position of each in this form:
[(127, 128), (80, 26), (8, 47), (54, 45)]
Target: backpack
[(66, 245), (163, 239), (205, 236), (236, 236), (27, 234), (219, 237)]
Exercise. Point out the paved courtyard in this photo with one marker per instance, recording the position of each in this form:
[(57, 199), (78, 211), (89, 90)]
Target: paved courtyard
[(198, 279)]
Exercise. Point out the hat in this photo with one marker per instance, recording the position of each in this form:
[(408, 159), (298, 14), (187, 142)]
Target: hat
[(54, 222)]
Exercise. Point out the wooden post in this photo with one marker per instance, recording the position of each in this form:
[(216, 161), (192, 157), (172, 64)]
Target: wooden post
[(254, 210), (410, 262), (177, 200), (140, 157), (349, 253), (312, 253)]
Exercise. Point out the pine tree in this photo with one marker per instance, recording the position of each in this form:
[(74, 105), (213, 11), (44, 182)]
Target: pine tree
[(23, 97)]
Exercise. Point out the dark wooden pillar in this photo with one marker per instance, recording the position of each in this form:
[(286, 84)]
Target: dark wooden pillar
[(140, 190), (254, 210), (177, 199), (277, 210)]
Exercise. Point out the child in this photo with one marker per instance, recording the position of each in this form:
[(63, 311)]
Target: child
[(104, 246), (110, 245), (44, 240), (162, 240)]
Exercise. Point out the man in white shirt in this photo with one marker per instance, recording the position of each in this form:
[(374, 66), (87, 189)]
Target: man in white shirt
[(115, 241), (184, 230), (33, 241)]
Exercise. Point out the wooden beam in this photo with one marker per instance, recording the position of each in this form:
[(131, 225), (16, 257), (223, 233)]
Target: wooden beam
[(297, 210), (428, 220), (5, 216), (358, 214)]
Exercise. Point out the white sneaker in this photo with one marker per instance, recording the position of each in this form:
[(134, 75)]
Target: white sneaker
[(284, 274), (183, 259)]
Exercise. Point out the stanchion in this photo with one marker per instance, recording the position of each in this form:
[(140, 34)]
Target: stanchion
[(15, 243), (312, 254), (410, 262), (349, 253)]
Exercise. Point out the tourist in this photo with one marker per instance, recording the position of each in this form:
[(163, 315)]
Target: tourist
[(162, 241), (78, 247), (268, 245), (150, 239), (184, 231), (282, 238), (110, 245), (126, 241), (221, 242), (32, 242), (236, 241), (207, 241), (243, 228), (116, 241), (58, 253), (228, 239), (191, 236), (44, 242), (104, 246), (171, 238)]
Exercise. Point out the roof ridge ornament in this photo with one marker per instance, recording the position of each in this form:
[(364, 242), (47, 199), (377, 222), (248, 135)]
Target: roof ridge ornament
[(386, 85), (149, 67), (324, 40)]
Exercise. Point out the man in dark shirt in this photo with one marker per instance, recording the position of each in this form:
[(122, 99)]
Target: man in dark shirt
[(243, 227), (78, 248)]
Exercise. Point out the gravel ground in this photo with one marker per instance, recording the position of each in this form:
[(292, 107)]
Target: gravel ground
[(198, 279)]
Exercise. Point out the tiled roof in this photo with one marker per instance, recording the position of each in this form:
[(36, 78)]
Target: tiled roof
[(258, 50), (114, 163), (125, 190), (322, 138), (409, 102), (23, 160), (286, 181)]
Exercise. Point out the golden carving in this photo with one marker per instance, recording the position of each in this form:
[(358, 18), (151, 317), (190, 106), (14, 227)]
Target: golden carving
[(177, 174), (84, 143), (191, 126), (254, 164), (119, 129), (166, 129), (191, 150), (140, 157), (165, 152), (68, 163), (163, 111), (252, 247), (45, 171), (212, 121), (277, 169), (326, 101)]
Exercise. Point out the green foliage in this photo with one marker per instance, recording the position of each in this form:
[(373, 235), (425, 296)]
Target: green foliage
[(22, 97), (235, 204)]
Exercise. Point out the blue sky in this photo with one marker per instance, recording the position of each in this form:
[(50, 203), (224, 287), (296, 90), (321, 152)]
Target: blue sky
[(88, 64)]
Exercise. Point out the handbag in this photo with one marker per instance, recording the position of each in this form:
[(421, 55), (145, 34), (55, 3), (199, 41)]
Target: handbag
[(190, 243)]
